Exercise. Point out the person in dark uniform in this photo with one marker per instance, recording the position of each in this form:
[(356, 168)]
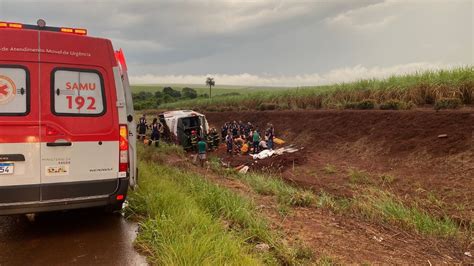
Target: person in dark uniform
[(230, 142), (142, 127), (194, 140), (214, 138), (271, 136), (155, 132)]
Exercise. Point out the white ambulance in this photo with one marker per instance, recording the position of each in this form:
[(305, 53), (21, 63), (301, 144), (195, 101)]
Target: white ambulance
[(67, 135)]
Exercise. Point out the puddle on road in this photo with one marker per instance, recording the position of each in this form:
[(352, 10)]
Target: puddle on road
[(81, 237)]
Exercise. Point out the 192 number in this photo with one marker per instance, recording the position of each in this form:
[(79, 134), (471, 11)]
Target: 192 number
[(80, 102)]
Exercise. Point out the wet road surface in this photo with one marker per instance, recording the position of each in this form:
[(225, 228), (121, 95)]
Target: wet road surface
[(81, 237)]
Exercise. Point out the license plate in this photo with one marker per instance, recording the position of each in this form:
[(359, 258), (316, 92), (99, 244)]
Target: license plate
[(6, 168)]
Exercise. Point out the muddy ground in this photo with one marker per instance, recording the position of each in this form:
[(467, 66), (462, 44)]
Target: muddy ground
[(429, 154)]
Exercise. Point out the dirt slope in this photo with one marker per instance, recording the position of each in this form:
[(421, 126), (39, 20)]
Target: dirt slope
[(431, 171)]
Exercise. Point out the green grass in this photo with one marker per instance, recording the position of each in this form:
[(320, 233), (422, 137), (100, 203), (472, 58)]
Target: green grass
[(177, 230), (187, 220), (359, 177), (274, 185), (327, 201), (330, 169), (419, 89), (382, 205), (387, 179)]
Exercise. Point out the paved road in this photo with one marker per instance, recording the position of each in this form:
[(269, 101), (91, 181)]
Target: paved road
[(83, 237)]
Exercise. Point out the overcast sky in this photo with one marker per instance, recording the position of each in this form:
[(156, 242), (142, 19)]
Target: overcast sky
[(265, 42)]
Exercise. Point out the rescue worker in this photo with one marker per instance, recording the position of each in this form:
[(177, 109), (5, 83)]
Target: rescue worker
[(229, 140), (187, 142), (270, 135), (214, 138), (202, 148), (155, 132), (256, 141), (235, 129), (208, 139), (224, 130), (194, 140), (142, 127)]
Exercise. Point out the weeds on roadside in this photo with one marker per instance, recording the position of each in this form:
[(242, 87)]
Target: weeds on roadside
[(327, 201), (387, 179), (382, 205), (359, 177), (273, 185), (330, 169), (176, 229), (447, 103), (182, 211)]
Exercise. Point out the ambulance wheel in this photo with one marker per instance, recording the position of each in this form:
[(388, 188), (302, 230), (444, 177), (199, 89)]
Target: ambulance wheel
[(114, 208)]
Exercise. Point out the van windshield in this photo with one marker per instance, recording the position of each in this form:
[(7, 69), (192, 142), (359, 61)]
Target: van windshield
[(13, 90)]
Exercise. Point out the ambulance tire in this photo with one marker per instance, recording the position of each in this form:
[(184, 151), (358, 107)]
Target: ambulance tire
[(114, 208)]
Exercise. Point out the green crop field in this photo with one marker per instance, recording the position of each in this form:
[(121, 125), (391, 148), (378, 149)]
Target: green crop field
[(440, 89), (203, 89)]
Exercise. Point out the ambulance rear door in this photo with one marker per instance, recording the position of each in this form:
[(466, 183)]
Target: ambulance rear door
[(19, 117)]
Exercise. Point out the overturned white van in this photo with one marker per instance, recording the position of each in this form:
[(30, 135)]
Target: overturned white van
[(178, 125)]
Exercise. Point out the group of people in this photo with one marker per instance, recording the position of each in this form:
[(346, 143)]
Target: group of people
[(246, 138), (211, 140), (156, 130)]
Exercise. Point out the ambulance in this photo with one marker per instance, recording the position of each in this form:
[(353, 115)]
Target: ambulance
[(67, 135)]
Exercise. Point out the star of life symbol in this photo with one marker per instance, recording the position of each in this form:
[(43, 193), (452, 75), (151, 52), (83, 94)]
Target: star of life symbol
[(7, 90)]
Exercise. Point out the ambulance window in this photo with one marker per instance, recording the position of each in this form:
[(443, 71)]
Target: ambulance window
[(78, 93), (14, 91)]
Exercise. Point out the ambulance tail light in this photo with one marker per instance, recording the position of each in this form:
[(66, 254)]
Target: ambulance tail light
[(123, 149), (120, 57)]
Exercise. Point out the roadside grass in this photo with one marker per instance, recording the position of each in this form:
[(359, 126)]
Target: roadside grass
[(441, 89), (330, 169), (378, 204), (273, 185), (387, 179), (267, 184), (161, 153), (382, 206), (326, 261), (174, 230), (187, 220), (359, 177)]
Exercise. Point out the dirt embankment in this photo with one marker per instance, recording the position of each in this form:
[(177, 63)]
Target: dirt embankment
[(429, 154)]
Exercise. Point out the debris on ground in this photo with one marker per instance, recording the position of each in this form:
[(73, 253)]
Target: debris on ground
[(467, 253), (263, 154), (269, 153), (378, 239), (262, 247), (278, 141), (443, 136), (244, 170)]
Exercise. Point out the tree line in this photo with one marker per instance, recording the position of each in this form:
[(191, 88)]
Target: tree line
[(149, 100)]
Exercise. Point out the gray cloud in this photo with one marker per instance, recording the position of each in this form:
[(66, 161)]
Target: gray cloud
[(266, 38)]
